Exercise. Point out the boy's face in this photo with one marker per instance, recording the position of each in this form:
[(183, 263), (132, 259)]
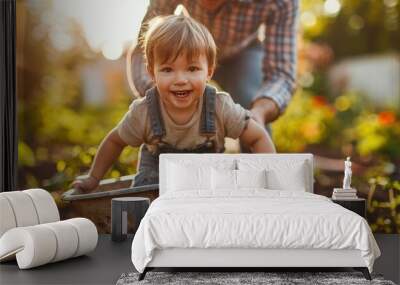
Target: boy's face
[(181, 83)]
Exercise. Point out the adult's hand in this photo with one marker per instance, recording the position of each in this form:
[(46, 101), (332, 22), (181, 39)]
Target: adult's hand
[(264, 111)]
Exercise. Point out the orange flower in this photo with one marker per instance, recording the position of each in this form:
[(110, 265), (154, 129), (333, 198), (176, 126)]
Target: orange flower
[(319, 101), (386, 118)]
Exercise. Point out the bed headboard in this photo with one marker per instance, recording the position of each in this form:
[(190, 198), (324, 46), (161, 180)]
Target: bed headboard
[(233, 159)]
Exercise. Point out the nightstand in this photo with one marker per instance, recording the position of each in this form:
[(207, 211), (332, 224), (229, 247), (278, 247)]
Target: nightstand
[(358, 205), (121, 207)]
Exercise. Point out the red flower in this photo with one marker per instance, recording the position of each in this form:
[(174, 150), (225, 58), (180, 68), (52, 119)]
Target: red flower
[(386, 118)]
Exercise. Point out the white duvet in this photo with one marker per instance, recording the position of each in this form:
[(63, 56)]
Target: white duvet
[(253, 218)]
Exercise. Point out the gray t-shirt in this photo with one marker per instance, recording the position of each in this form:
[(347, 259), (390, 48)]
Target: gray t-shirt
[(135, 129)]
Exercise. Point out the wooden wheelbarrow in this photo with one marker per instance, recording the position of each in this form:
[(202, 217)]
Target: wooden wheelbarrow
[(96, 205)]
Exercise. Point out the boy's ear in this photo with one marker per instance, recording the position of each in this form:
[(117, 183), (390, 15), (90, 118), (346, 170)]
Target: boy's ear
[(210, 72)]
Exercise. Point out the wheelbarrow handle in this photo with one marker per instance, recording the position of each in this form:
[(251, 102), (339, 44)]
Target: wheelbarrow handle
[(74, 194)]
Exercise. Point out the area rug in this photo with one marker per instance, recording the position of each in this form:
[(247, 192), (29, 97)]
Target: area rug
[(242, 278)]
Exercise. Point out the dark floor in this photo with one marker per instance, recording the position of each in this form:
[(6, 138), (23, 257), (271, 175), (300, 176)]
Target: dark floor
[(111, 259), (389, 262)]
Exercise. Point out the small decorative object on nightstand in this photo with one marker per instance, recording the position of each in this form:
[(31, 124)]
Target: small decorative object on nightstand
[(345, 193), (120, 208), (357, 205)]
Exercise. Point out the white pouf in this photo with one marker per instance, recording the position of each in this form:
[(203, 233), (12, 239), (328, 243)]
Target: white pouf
[(37, 245), (67, 237), (32, 246), (87, 233), (31, 230), (24, 211), (45, 206), (7, 220)]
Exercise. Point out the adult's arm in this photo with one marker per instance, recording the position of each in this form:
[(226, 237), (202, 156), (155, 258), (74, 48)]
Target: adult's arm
[(279, 64), (138, 78)]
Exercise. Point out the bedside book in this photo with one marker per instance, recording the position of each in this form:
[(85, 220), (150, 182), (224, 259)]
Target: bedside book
[(344, 194), (334, 197), (340, 190)]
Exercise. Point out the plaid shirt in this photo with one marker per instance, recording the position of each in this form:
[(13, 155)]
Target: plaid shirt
[(234, 25)]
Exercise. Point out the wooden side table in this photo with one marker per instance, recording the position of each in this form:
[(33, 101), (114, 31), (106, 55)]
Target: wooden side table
[(136, 207), (358, 205)]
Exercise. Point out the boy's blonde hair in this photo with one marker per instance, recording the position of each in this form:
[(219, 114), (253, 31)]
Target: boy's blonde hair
[(169, 36)]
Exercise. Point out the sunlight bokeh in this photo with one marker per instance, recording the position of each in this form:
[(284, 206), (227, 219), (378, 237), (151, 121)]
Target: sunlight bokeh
[(332, 7), (110, 29)]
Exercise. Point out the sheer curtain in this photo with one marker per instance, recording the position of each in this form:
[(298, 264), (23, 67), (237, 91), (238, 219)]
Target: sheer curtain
[(8, 136)]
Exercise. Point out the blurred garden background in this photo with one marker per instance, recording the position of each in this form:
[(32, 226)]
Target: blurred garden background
[(72, 89)]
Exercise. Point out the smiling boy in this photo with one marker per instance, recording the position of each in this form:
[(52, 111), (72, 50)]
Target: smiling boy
[(181, 114)]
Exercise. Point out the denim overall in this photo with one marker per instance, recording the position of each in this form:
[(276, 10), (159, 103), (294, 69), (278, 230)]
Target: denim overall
[(147, 172)]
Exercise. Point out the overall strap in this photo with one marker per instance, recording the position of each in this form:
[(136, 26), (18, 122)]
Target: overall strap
[(207, 121), (156, 121)]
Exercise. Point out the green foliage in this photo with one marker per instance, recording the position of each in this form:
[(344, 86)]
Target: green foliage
[(359, 27), (388, 210), (306, 121), (66, 141), (349, 119), (26, 156), (76, 160), (377, 133)]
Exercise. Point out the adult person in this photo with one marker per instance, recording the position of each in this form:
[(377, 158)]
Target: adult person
[(260, 76)]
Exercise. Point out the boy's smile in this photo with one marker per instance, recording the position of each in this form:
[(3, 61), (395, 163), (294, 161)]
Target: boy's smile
[(181, 82), (182, 93)]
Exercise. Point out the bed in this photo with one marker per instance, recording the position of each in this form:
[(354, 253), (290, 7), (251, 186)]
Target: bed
[(247, 210)]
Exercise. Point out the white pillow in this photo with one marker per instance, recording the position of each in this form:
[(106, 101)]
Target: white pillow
[(223, 179), (183, 178), (226, 179), (282, 174), (293, 180), (251, 178)]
